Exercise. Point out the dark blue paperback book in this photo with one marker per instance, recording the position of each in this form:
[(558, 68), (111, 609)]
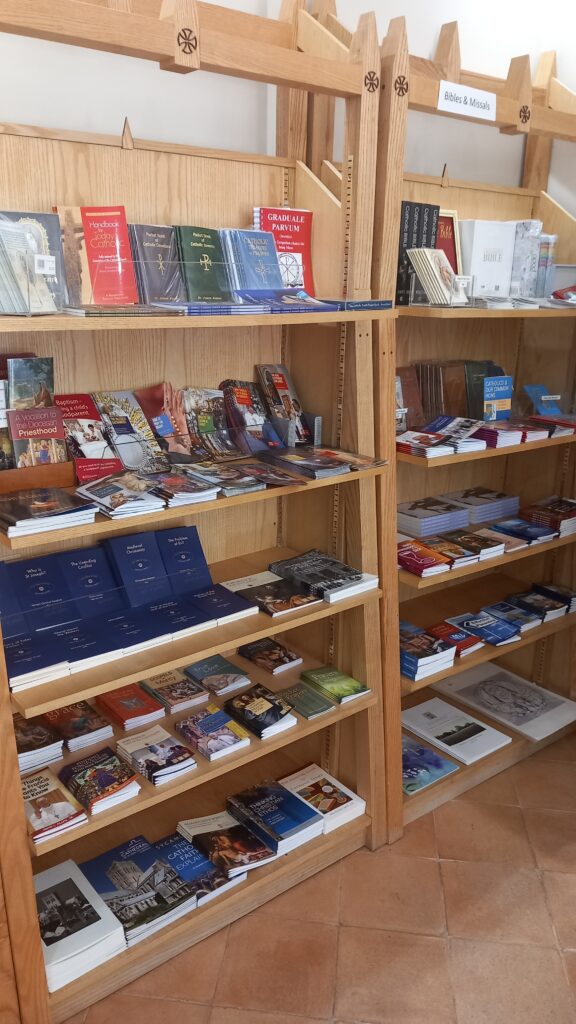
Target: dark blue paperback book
[(513, 614), (490, 629), (32, 653), (274, 814), (11, 617), (132, 630), (91, 581), (139, 567), (203, 877), (222, 604), (79, 641), (42, 591), (184, 560), (179, 617), (529, 532)]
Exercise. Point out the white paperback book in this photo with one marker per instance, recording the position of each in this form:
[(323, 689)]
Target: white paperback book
[(452, 730), (515, 702), (78, 930), (332, 799), (488, 254)]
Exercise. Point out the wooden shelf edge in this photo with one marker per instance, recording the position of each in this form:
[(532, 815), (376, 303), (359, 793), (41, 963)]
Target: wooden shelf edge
[(206, 771), (464, 313), (489, 453), (262, 885), (409, 579)]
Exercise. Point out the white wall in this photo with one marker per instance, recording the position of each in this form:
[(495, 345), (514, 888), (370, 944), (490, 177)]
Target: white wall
[(58, 86)]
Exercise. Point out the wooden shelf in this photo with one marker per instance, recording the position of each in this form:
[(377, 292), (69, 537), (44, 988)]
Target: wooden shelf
[(206, 771), (261, 885), (65, 323), (37, 700), (475, 313), (469, 597), (104, 527), (489, 453), (409, 579)]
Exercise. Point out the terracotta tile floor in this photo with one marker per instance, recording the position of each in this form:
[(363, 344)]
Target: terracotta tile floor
[(469, 919)]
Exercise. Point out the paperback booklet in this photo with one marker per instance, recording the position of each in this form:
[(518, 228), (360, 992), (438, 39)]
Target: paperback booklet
[(37, 743), (163, 407), (49, 809), (270, 655), (37, 437), (203, 877), (326, 795), (327, 577), (276, 815), (217, 675), (175, 691), (208, 425), (246, 413), (305, 700), (123, 494), (261, 712), (213, 733), (334, 685), (79, 725), (453, 731), (422, 766), (129, 432), (487, 627), (415, 557), (292, 231), (252, 260), (203, 264), (44, 251), (86, 438), (77, 929), (157, 263), (229, 846), (282, 399), (131, 706), (310, 462), (100, 781), (508, 698), (139, 566), (97, 255), (30, 382), (274, 595), (41, 509), (513, 614), (91, 582), (464, 642), (157, 755), (543, 605)]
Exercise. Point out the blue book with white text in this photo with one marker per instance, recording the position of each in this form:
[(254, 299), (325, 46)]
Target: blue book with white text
[(91, 581), (184, 559), (490, 629), (42, 592), (139, 567), (273, 813), (11, 617)]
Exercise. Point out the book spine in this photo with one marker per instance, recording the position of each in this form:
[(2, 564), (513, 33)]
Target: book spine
[(423, 240), (402, 277)]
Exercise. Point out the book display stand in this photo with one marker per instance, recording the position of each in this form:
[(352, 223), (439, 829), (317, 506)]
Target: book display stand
[(330, 355)]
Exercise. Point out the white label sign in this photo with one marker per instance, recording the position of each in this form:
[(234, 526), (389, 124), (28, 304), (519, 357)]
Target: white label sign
[(461, 99), (45, 265)]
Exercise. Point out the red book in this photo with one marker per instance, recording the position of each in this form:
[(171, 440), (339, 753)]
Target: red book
[(464, 642), (97, 256), (85, 438), (416, 558), (292, 230), (446, 241), (130, 706), (37, 436)]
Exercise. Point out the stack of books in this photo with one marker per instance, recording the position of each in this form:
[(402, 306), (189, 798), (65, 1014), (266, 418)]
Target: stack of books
[(122, 495), (79, 725), (336, 686), (487, 627), (230, 846), (276, 816), (558, 592), (131, 707), (270, 655), (37, 743), (337, 804), (426, 516), (513, 614), (43, 509), (455, 732), (424, 445), (484, 504), (327, 577), (501, 435), (217, 675), (50, 810), (213, 733), (175, 691), (457, 554), (422, 654), (178, 490), (419, 559), (261, 712), (483, 543), (157, 755), (465, 643), (100, 781), (458, 432), (557, 513), (541, 604), (528, 532)]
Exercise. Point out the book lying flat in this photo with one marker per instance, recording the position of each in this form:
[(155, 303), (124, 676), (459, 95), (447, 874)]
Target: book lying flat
[(206, 880), (453, 731), (100, 780), (213, 733), (230, 846), (49, 809), (326, 795), (422, 766)]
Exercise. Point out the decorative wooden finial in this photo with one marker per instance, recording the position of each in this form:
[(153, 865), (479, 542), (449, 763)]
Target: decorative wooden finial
[(518, 86), (447, 54), (127, 139), (184, 18), (445, 183)]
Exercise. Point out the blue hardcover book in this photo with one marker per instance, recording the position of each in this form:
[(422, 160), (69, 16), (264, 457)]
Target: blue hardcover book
[(203, 877), (184, 559), (30, 657), (91, 581), (11, 618), (180, 618), (275, 815), (422, 766), (137, 869), (529, 532), (42, 591), (222, 604), (497, 398), (139, 567), (490, 629)]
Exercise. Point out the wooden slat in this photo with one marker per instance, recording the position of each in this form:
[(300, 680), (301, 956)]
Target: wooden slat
[(476, 313), (538, 150), (321, 108), (447, 55), (291, 104)]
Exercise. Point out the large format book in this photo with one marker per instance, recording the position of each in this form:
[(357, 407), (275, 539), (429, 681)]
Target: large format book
[(487, 254), (79, 725), (44, 245), (157, 755), (292, 231), (203, 877), (77, 929), (140, 886), (91, 581), (12, 618), (49, 809), (37, 743), (230, 846), (278, 817), (326, 795), (129, 433), (252, 260), (213, 733), (97, 255), (511, 700), (422, 766), (157, 263), (281, 397), (37, 437), (43, 509), (334, 685), (139, 568), (261, 712), (526, 258), (404, 265), (100, 781), (203, 264), (328, 578), (86, 439), (455, 732), (217, 674), (428, 227)]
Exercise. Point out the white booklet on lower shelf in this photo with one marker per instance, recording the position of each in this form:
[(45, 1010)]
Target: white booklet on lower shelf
[(454, 731), (515, 702)]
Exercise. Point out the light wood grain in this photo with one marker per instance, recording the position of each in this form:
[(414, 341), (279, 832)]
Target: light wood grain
[(477, 313), (538, 149), (58, 323), (321, 108), (447, 54), (489, 453)]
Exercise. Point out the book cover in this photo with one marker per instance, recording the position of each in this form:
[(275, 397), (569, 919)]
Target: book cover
[(453, 731), (207, 423), (39, 505), (155, 753), (513, 614), (203, 877), (221, 604), (139, 567), (30, 382), (321, 572), (252, 259), (461, 639), (11, 617), (184, 560), (280, 596), (334, 684), (258, 709), (227, 844), (97, 255), (325, 795), (217, 674), (545, 607), (310, 462), (488, 628), (421, 560), (404, 265), (530, 532), (230, 479), (307, 702), (163, 407), (37, 437), (292, 231), (203, 264), (446, 239), (33, 734), (282, 398), (49, 809), (42, 591), (76, 720), (419, 646), (125, 492), (498, 397), (212, 732), (422, 766), (91, 581), (44, 246), (128, 702), (246, 414), (411, 397), (174, 690), (86, 438), (272, 812), (270, 655), (157, 263), (96, 777), (129, 432), (33, 658), (6, 449)]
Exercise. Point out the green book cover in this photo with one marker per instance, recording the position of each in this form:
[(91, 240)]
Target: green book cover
[(333, 683), (305, 701), (203, 264)]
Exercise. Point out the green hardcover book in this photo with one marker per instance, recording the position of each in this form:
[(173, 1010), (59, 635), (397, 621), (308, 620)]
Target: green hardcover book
[(334, 684), (307, 702), (203, 264)]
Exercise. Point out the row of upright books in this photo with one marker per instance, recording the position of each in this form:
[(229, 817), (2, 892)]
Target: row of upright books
[(90, 912), (440, 727), (426, 651)]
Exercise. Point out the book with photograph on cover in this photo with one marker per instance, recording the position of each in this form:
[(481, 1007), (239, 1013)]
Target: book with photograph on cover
[(455, 732), (231, 847), (129, 432), (99, 780), (422, 766), (49, 809), (271, 655)]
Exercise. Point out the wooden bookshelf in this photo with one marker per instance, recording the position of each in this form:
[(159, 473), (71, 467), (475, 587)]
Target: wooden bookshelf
[(409, 579), (463, 313), (331, 359), (488, 453)]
